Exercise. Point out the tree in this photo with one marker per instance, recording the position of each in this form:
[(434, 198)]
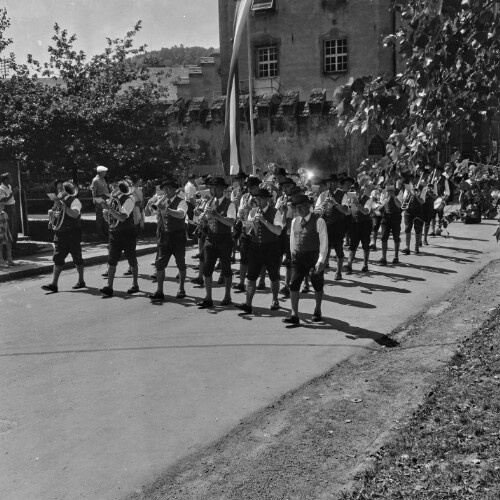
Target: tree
[(451, 54), (102, 111)]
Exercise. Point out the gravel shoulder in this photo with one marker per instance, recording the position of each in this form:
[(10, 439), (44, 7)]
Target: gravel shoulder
[(319, 440)]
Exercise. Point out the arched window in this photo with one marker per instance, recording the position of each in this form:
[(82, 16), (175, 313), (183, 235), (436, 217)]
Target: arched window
[(376, 147)]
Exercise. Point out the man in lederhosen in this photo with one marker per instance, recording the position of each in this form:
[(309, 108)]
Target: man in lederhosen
[(122, 237), (67, 239), (264, 248), (220, 214), (309, 248), (171, 219)]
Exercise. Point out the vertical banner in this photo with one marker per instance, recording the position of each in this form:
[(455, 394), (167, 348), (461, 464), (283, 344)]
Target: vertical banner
[(231, 144)]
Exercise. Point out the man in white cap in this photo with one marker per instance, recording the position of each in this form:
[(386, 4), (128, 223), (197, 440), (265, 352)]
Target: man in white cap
[(99, 188)]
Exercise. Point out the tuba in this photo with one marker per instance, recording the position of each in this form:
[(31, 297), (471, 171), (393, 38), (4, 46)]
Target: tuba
[(56, 214), (125, 187)]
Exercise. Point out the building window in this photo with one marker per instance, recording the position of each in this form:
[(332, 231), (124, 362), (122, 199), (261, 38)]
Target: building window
[(267, 61), (335, 55), (376, 147), (263, 5)]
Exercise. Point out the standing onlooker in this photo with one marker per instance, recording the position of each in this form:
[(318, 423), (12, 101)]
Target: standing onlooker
[(190, 189), (99, 188), (5, 238), (7, 194)]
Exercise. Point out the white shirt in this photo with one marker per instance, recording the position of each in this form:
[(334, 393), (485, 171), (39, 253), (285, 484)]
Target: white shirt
[(6, 191), (231, 210), (182, 206), (76, 205), (322, 232), (128, 206), (278, 218)]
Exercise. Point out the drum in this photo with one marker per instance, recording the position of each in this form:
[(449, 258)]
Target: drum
[(439, 204)]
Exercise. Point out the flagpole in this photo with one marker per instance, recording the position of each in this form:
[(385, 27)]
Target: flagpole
[(250, 91)]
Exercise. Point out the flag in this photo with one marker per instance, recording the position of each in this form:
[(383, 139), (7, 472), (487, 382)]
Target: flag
[(231, 160)]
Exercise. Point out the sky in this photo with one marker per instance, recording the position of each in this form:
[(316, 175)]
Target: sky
[(164, 23)]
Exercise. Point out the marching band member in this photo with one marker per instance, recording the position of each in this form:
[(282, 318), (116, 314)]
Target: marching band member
[(334, 213), (288, 187), (442, 189), (236, 195), (119, 210), (263, 250), (171, 218), (413, 216), (245, 206), (309, 248), (391, 223), (67, 234), (428, 210), (220, 214), (360, 230), (376, 216)]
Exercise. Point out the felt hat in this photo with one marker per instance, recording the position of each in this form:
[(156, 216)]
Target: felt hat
[(300, 199), (263, 193), (217, 181)]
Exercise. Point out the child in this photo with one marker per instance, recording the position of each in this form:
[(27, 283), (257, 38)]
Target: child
[(5, 238)]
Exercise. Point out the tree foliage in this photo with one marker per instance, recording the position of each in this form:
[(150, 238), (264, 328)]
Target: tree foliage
[(451, 55), (174, 56), (105, 110)]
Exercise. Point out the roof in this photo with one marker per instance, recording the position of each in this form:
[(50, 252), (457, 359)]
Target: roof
[(318, 96), (264, 100), (219, 103), (177, 106), (196, 104), (290, 98), (244, 101), (207, 60)]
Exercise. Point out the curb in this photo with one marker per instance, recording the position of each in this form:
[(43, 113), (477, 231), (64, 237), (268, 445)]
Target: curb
[(47, 268)]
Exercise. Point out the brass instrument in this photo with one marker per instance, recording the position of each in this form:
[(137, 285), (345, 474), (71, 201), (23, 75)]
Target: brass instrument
[(57, 213), (202, 224), (125, 187), (154, 203)]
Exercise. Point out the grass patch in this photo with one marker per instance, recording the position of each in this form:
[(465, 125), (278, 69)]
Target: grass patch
[(450, 447)]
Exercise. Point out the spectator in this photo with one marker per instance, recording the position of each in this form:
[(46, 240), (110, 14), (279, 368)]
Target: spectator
[(7, 194), (99, 188)]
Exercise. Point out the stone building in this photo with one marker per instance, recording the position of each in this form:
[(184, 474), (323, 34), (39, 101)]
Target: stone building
[(302, 53)]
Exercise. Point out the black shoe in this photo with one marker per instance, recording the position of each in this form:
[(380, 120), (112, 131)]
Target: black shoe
[(233, 260), (157, 297), (395, 260), (306, 289), (406, 251), (261, 286), (218, 267), (285, 290), (133, 289), (364, 269), (79, 284), (50, 288), (198, 281), (275, 305), (205, 304), (105, 274), (226, 302), (316, 317), (196, 268), (128, 273), (338, 276), (107, 291), (221, 280), (239, 288), (181, 295), (197, 256), (154, 279), (292, 320), (426, 242), (245, 308), (382, 262), (433, 233), (178, 276), (417, 251), (348, 269), (373, 247)]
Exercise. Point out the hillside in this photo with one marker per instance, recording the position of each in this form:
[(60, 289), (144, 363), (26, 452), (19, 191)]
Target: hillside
[(175, 56)]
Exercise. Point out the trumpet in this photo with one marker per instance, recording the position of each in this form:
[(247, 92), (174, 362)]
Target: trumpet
[(154, 204), (57, 213), (202, 225), (124, 188)]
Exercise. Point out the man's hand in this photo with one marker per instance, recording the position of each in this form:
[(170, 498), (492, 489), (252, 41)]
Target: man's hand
[(320, 266)]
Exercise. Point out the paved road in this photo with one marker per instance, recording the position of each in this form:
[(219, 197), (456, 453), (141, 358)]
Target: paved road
[(99, 396)]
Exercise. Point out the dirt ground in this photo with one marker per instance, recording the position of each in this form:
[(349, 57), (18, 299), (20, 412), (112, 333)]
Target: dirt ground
[(315, 442)]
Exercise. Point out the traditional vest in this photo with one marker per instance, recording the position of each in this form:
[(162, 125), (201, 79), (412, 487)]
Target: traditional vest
[(261, 234), (216, 227), (414, 207), (170, 224), (128, 223), (391, 209), (70, 223), (308, 237), (357, 216)]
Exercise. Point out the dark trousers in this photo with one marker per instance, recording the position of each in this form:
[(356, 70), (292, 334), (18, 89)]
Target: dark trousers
[(102, 226), (303, 263), (218, 246), (11, 211)]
